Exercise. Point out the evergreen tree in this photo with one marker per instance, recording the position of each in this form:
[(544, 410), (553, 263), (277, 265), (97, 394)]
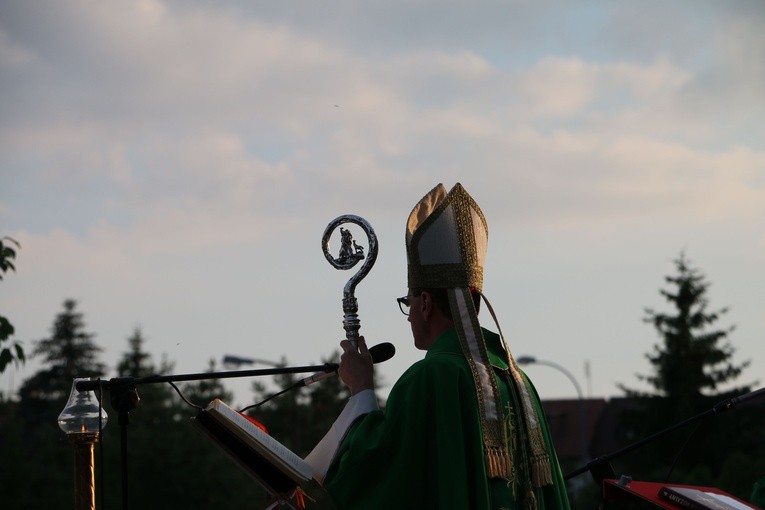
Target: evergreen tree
[(694, 358), (136, 362), (691, 365), (69, 352), (170, 463), (155, 401), (203, 391)]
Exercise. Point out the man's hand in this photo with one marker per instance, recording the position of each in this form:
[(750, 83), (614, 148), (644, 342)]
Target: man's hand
[(356, 366)]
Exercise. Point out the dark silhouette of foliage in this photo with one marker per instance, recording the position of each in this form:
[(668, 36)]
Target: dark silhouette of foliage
[(136, 362), (693, 358), (13, 352), (203, 391), (170, 463), (690, 366), (68, 353), (46, 458)]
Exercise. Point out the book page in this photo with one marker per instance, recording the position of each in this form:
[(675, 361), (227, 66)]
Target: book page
[(730, 501), (702, 498), (256, 438)]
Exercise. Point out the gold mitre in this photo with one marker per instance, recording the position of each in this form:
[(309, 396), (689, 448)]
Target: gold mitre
[(446, 237)]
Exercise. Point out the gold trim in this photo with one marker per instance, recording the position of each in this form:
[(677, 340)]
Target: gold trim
[(466, 273), (495, 439)]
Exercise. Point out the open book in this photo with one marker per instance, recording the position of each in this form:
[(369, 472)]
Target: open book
[(697, 499), (272, 464)]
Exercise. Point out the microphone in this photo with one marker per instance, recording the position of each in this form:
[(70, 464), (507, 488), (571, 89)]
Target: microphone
[(380, 352)]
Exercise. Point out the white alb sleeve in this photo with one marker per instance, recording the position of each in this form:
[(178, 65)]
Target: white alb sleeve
[(324, 452)]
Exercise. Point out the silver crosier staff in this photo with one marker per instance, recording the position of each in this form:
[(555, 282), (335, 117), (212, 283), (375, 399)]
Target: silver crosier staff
[(350, 255)]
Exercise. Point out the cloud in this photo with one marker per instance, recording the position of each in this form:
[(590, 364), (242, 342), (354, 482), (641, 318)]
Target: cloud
[(175, 163), (141, 62), (729, 87), (561, 87), (178, 113)]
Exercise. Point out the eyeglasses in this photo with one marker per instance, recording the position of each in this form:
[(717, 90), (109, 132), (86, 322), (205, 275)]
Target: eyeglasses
[(404, 304)]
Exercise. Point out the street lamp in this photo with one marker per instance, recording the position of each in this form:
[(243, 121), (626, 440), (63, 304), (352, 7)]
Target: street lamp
[(528, 360), (82, 420)]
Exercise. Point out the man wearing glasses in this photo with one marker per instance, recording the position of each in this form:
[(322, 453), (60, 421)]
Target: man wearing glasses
[(463, 427)]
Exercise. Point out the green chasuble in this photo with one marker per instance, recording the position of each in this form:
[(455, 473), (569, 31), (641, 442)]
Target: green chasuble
[(425, 449)]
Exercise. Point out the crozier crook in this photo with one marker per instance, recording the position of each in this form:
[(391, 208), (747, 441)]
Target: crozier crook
[(350, 255)]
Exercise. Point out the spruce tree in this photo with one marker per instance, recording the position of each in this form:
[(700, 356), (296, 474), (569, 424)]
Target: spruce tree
[(68, 353), (136, 362), (692, 371), (694, 357)]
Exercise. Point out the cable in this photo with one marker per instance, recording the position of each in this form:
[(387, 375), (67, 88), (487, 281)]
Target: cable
[(285, 390), (687, 439), (184, 398)]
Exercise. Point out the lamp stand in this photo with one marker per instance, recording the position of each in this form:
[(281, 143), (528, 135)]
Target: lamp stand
[(84, 475)]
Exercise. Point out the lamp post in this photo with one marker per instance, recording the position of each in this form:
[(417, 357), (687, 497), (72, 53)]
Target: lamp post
[(81, 422), (528, 360)]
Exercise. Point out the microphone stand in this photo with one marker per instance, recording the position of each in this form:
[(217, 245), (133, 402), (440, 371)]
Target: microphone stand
[(600, 467), (124, 397)]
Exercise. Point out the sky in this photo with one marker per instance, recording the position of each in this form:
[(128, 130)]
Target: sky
[(172, 166)]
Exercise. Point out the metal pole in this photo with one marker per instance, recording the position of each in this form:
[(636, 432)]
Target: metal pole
[(582, 414), (84, 475)]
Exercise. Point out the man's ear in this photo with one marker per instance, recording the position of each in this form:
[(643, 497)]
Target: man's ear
[(426, 305)]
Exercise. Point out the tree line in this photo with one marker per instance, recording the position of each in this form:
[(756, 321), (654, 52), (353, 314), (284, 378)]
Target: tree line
[(170, 464)]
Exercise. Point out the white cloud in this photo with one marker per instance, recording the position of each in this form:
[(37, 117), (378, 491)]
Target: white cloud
[(144, 138), (559, 86), (568, 86)]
